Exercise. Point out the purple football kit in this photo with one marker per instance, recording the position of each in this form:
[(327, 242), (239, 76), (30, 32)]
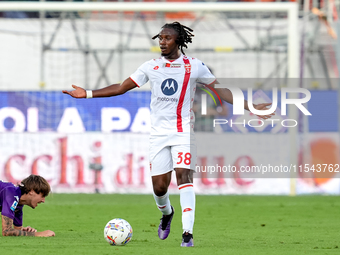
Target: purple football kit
[(9, 202)]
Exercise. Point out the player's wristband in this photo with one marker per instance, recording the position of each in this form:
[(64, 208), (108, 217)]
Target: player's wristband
[(89, 94)]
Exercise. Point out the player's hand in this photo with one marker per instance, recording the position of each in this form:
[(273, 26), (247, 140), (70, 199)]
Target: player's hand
[(45, 233), (263, 107), (77, 93), (29, 229)]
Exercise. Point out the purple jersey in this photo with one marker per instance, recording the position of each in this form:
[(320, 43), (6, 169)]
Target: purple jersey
[(9, 200)]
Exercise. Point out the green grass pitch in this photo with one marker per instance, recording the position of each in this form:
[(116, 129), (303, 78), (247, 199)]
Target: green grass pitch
[(223, 225)]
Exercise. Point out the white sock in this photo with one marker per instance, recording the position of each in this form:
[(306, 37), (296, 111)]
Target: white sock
[(163, 203), (187, 198)]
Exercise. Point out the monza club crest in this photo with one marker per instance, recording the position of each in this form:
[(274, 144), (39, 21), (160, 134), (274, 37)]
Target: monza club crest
[(187, 65), (187, 68)]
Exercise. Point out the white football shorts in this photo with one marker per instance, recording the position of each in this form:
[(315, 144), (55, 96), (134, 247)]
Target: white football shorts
[(165, 156)]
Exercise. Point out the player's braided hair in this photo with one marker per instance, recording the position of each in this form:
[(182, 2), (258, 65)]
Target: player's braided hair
[(184, 34)]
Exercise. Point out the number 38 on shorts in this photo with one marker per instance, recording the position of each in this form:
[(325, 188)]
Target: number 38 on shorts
[(184, 156), (186, 160), (170, 157)]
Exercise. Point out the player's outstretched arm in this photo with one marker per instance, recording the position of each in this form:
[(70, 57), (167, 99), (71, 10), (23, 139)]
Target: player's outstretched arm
[(8, 230), (109, 91), (227, 96), (263, 107)]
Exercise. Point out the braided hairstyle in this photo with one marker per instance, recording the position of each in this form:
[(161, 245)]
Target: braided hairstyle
[(183, 34)]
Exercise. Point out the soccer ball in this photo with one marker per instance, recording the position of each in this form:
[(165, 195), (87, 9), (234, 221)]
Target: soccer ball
[(118, 232)]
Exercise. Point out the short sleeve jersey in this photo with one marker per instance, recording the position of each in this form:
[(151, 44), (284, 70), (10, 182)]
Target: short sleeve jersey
[(9, 202), (173, 85)]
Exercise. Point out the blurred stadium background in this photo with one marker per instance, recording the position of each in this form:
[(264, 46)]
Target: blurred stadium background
[(101, 145)]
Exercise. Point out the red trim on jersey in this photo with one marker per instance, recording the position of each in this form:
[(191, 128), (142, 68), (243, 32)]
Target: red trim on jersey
[(181, 98), (134, 82), (185, 186)]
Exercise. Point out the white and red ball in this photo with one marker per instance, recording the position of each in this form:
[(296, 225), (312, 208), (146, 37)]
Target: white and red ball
[(118, 232)]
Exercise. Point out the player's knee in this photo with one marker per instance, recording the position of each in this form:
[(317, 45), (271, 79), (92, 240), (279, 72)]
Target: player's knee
[(160, 189), (184, 176)]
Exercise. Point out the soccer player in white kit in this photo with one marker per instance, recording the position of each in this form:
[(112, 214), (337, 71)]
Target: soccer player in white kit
[(173, 79)]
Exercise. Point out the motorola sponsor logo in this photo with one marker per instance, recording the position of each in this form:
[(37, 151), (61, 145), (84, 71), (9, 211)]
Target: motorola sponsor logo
[(169, 87), (167, 99)]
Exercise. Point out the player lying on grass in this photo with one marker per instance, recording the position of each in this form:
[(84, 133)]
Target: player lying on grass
[(173, 79), (32, 191)]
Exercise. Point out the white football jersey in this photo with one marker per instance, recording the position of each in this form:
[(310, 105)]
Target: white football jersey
[(173, 86)]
